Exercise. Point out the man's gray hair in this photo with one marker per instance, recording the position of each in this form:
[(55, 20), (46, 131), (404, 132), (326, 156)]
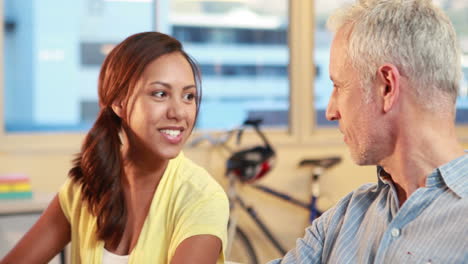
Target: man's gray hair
[(414, 35)]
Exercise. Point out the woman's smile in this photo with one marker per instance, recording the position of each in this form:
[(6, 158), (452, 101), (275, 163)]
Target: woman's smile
[(172, 135)]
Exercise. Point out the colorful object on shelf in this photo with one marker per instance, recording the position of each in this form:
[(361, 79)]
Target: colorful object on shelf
[(15, 186)]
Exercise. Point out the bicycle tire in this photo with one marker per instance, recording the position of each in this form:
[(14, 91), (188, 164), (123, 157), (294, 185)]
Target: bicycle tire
[(242, 250)]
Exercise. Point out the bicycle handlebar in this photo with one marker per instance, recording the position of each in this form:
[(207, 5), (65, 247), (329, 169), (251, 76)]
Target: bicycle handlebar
[(226, 135), (255, 123)]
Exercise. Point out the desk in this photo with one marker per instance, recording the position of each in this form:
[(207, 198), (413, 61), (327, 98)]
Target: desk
[(28, 207)]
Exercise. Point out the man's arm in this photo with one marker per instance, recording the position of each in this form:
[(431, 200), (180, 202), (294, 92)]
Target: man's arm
[(44, 240), (308, 249)]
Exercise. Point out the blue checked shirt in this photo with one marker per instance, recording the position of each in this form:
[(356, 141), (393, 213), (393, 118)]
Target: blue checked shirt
[(367, 226)]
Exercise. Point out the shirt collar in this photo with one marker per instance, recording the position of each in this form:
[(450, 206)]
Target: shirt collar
[(383, 177), (453, 174)]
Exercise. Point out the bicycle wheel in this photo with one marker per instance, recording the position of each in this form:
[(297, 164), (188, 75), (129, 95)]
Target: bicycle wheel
[(242, 250)]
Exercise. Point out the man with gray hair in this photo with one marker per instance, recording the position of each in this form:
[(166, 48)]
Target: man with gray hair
[(395, 67)]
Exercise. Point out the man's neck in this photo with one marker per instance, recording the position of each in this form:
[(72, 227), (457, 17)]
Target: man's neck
[(417, 154)]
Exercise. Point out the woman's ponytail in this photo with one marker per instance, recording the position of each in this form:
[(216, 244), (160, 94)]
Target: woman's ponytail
[(99, 169)]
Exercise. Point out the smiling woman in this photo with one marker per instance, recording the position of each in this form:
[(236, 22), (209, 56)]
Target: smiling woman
[(163, 109), (131, 190)]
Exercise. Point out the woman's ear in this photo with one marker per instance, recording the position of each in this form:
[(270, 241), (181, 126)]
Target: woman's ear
[(117, 108), (389, 79)]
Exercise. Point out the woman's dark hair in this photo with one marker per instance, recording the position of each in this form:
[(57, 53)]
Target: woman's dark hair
[(98, 168)]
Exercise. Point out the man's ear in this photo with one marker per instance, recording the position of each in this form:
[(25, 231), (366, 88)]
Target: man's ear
[(118, 108), (389, 85)]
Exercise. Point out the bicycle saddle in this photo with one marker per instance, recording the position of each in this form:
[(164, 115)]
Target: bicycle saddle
[(325, 163)]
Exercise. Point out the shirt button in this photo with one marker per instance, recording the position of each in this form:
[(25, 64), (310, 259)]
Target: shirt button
[(395, 232)]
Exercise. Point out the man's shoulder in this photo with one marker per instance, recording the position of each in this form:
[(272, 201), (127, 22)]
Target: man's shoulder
[(363, 191), (455, 175), (360, 198)]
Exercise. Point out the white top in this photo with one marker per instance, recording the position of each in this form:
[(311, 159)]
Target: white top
[(111, 258)]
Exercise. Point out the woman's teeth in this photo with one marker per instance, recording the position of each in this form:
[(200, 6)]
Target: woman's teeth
[(172, 133)]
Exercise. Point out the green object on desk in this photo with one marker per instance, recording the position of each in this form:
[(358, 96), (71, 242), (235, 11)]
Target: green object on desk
[(15, 195)]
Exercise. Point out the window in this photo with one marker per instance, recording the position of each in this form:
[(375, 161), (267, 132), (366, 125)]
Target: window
[(51, 68), (251, 52), (241, 47), (455, 9), (52, 53), (250, 36)]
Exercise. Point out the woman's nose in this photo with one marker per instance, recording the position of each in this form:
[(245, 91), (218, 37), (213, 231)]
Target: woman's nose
[(176, 109)]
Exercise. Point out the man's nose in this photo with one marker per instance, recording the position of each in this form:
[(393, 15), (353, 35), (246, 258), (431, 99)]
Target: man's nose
[(332, 113)]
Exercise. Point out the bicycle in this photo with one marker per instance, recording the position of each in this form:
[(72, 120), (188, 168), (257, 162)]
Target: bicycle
[(247, 166)]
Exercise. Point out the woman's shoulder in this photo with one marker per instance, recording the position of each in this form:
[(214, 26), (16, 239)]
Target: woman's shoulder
[(70, 190), (70, 197), (190, 173)]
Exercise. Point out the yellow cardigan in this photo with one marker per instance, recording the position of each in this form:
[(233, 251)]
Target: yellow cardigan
[(187, 202)]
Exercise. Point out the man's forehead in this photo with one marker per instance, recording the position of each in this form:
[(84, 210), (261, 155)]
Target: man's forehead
[(338, 54), (341, 37)]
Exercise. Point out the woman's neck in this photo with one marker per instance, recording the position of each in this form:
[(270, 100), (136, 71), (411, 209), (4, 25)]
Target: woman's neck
[(142, 174)]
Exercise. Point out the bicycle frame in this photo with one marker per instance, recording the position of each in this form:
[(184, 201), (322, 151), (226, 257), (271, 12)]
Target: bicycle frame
[(235, 172), (235, 199), (311, 206)]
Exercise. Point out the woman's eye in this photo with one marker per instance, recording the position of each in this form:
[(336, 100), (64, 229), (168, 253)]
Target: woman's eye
[(159, 94), (189, 96)]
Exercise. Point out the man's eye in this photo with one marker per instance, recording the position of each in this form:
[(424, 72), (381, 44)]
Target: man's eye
[(159, 94)]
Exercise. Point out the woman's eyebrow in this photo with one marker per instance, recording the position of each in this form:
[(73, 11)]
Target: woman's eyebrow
[(167, 85)]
